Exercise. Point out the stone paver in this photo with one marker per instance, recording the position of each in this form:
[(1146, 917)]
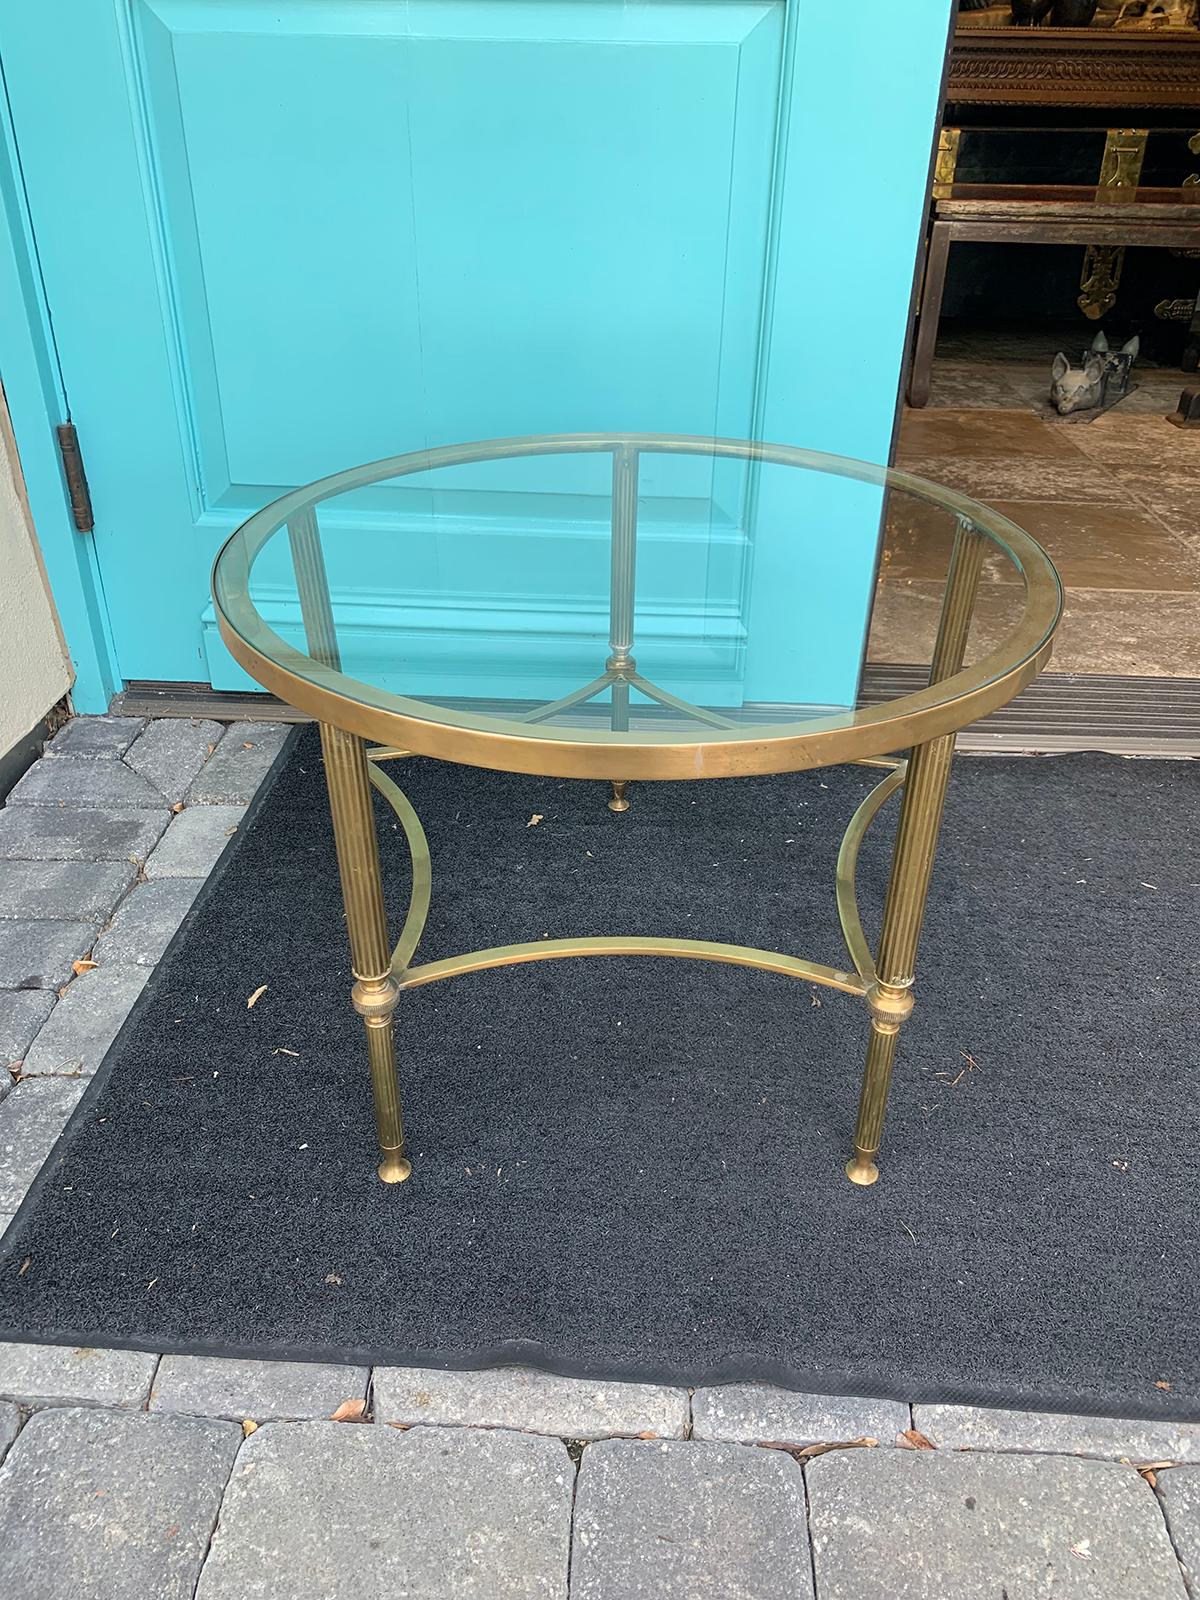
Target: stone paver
[(82, 782), (671, 1521), (5, 1218), (535, 1402), (31, 1119), (146, 921), (196, 837), (316, 1509), (171, 752), (60, 1375), (44, 833), (85, 1021), (63, 891), (749, 1413), (21, 1015), (10, 1423), (927, 1524), (971, 1428), (96, 736), (1179, 1490), (100, 1505), (210, 1386), (40, 955), (240, 763)]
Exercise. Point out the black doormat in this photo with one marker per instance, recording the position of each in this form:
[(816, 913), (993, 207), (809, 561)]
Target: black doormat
[(632, 1167)]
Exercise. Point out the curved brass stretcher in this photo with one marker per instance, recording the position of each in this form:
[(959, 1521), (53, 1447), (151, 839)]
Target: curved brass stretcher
[(888, 1005)]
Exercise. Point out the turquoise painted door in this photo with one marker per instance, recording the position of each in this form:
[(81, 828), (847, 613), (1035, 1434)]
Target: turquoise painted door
[(278, 237)]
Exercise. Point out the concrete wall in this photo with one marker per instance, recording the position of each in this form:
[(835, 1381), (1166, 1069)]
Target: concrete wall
[(34, 671)]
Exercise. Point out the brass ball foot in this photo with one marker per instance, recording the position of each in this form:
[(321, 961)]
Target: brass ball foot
[(862, 1170), (619, 801), (394, 1167)]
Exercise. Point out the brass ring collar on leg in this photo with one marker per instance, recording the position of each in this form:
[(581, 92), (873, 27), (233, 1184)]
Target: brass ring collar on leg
[(375, 998), (890, 1004)]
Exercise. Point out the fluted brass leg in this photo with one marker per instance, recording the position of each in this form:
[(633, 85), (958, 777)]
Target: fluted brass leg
[(877, 1078), (375, 990), (889, 998), (621, 599)]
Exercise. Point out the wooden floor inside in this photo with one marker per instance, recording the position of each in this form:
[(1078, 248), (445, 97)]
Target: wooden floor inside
[(1113, 500)]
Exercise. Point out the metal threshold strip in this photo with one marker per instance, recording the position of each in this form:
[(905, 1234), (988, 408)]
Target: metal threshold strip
[(1059, 712), (1065, 711)]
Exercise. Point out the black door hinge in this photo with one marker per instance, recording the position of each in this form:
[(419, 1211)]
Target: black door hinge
[(77, 484)]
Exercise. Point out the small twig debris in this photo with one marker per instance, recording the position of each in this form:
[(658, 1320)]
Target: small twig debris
[(913, 1439), (350, 1411), (811, 1450)]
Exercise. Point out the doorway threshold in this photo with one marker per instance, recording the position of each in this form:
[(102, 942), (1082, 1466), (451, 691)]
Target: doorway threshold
[(1062, 712)]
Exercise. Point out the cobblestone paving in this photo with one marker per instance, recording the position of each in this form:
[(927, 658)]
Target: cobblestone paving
[(123, 1473)]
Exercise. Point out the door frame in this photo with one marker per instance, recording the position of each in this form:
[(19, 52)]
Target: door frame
[(37, 403)]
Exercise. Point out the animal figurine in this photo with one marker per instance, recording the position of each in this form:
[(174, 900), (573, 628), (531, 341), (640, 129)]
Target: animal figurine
[(1081, 388), (1076, 388)]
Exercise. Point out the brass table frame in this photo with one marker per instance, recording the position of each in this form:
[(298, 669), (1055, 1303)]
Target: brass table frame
[(351, 712)]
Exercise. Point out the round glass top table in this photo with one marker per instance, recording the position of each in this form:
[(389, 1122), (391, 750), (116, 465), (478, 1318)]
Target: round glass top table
[(620, 607)]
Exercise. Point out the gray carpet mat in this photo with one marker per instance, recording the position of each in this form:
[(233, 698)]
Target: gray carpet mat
[(631, 1167)]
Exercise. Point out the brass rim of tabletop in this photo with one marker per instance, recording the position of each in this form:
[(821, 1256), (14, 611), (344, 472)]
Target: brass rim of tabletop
[(514, 746)]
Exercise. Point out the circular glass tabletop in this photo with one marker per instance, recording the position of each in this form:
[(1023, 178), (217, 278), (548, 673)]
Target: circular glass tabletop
[(631, 605)]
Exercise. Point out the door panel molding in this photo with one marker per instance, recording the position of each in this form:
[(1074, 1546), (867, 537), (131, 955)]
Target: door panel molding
[(163, 79)]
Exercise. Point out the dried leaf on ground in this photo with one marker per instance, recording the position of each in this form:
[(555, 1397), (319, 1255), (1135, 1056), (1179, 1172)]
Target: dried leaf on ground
[(83, 966), (534, 820), (810, 1450), (913, 1439), (249, 1427), (350, 1411), (256, 996), (1161, 1383)]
